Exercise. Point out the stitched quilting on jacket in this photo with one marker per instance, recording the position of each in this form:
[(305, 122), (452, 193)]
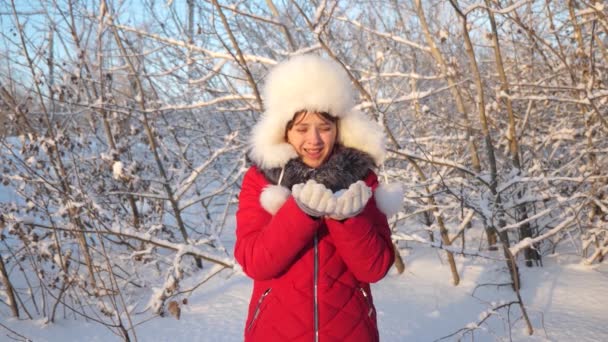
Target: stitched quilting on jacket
[(311, 276)]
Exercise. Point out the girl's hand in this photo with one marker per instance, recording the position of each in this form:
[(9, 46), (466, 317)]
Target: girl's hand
[(314, 199), (351, 202)]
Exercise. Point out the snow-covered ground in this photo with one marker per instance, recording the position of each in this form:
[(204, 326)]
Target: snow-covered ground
[(565, 301)]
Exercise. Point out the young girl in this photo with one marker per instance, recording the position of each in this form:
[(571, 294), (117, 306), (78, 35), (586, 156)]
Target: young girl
[(311, 229)]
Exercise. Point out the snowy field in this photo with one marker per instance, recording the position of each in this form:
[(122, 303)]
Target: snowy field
[(566, 301)]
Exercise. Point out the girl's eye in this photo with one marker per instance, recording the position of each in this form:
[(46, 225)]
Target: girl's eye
[(301, 130)]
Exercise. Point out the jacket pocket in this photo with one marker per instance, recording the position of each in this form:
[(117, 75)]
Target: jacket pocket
[(370, 314), (258, 308), (368, 302)]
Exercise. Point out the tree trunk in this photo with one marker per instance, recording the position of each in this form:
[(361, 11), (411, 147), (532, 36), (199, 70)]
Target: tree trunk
[(525, 230), (481, 104), (10, 292)]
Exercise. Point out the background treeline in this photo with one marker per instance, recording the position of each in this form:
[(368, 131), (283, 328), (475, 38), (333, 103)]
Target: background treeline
[(124, 130)]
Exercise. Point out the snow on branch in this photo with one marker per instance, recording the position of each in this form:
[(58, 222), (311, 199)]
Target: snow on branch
[(600, 251), (413, 96), (257, 17), (518, 179), (483, 316), (193, 47), (411, 75), (529, 219), (400, 236), (385, 35), (180, 247), (145, 237), (505, 10), (584, 101), (464, 224), (203, 104), (593, 8), (139, 194), (214, 71), (183, 187), (529, 242), (436, 161)]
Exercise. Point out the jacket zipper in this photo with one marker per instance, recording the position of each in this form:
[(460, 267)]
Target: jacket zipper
[(316, 280), (256, 313), (369, 303)]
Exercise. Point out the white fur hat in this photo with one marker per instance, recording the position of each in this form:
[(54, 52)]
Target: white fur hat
[(309, 82)]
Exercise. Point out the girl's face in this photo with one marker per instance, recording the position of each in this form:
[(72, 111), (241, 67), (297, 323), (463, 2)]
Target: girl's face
[(313, 138)]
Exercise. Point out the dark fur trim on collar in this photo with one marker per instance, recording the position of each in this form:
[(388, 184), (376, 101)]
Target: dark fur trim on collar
[(344, 167)]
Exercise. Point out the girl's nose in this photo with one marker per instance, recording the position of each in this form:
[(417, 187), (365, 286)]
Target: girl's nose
[(315, 136)]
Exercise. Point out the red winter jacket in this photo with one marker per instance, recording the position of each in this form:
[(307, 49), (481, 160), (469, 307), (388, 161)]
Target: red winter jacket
[(310, 272)]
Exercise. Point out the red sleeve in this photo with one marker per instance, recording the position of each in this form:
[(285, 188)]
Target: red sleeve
[(267, 245), (364, 241)]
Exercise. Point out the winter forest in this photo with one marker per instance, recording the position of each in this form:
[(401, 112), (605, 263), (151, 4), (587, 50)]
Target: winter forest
[(124, 129)]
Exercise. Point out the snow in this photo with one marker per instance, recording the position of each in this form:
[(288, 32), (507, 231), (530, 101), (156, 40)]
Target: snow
[(7, 196), (117, 170), (565, 301), (577, 305)]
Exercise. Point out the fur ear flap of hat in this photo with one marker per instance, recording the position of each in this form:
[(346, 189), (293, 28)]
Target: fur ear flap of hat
[(357, 131), (268, 146), (316, 84), (273, 197), (389, 198)]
